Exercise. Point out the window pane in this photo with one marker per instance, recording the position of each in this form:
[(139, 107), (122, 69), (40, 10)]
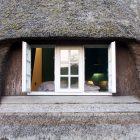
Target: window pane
[(74, 82), (74, 69), (64, 69), (64, 56), (74, 56), (64, 82)]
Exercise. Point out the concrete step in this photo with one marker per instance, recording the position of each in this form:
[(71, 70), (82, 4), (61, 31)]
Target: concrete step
[(35, 108), (69, 100), (96, 118), (70, 126), (69, 104)]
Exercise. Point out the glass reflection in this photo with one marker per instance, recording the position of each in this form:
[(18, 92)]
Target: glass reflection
[(74, 56), (74, 69), (64, 56), (64, 69), (74, 82), (64, 82)]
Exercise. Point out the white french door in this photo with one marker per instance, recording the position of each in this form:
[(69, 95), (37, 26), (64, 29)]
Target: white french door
[(112, 67), (69, 71), (26, 67), (69, 76)]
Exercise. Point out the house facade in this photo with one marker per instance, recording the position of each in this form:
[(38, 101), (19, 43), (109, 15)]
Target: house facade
[(69, 69)]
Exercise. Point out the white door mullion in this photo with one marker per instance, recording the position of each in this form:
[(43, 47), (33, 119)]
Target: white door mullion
[(81, 69), (26, 67), (69, 71), (112, 68), (57, 69)]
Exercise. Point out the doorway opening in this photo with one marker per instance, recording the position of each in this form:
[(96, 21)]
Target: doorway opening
[(96, 69)]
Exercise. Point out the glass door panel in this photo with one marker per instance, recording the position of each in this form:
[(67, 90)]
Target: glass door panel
[(64, 82), (74, 82), (74, 69), (64, 54), (64, 62), (64, 68), (74, 56)]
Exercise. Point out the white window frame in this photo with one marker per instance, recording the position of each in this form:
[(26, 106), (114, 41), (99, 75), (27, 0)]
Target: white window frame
[(26, 49), (26, 67), (57, 70), (112, 67)]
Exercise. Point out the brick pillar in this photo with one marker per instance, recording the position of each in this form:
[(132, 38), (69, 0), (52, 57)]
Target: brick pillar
[(135, 49), (4, 48), (13, 71)]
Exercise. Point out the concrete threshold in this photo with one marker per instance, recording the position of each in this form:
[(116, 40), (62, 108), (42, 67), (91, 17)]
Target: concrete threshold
[(82, 104), (69, 100), (67, 108)]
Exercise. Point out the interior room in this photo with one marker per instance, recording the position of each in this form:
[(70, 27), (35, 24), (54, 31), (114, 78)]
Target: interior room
[(96, 69), (42, 65)]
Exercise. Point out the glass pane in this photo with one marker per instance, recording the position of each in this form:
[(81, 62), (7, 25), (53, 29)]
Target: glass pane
[(74, 69), (74, 82), (64, 56), (64, 62), (64, 69), (64, 82), (74, 56)]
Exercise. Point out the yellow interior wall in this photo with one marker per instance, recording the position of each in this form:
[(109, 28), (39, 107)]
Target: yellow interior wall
[(37, 69)]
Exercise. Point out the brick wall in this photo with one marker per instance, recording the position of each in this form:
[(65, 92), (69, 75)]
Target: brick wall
[(4, 48), (127, 81), (135, 49), (13, 70)]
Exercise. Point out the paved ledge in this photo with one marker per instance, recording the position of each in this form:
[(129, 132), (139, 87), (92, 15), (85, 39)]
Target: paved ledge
[(69, 100), (70, 126), (56, 119), (67, 104), (42, 108), (70, 118)]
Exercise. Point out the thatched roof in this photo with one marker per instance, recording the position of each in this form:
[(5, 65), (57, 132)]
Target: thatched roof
[(70, 18)]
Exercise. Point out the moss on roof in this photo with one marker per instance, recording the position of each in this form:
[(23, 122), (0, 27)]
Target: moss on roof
[(69, 18)]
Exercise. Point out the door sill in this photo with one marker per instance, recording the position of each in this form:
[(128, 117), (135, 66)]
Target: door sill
[(70, 94)]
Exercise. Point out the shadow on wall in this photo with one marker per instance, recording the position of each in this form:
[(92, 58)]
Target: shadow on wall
[(135, 52), (127, 78), (13, 70), (4, 49)]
